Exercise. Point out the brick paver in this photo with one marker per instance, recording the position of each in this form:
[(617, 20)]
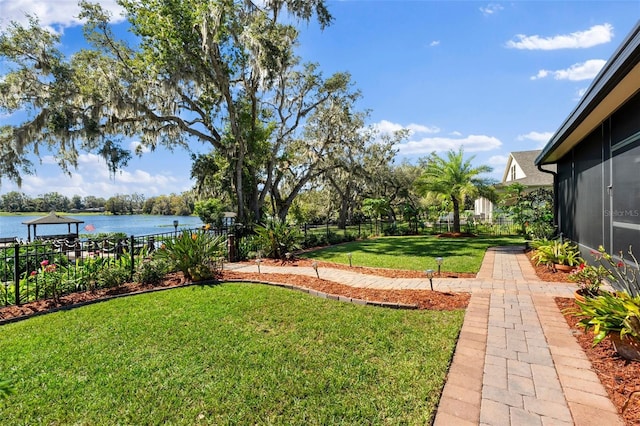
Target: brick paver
[(516, 361)]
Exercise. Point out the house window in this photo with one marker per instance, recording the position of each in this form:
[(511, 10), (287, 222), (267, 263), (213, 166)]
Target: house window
[(513, 172)]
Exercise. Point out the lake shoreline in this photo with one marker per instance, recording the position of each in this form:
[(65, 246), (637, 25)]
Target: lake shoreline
[(11, 225)]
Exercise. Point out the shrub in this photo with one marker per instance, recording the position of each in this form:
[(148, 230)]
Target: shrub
[(91, 267), (113, 276), (193, 253), (310, 240), (276, 238), (151, 271)]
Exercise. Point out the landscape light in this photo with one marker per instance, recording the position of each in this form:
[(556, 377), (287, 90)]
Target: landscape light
[(429, 273), (314, 265), (350, 255), (439, 262)]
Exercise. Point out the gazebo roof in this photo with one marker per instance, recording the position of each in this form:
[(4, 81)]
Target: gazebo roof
[(52, 219)]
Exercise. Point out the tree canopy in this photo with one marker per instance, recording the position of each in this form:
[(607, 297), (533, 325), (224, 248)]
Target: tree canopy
[(221, 72)]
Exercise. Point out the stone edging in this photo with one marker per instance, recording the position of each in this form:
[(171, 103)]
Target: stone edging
[(324, 295)]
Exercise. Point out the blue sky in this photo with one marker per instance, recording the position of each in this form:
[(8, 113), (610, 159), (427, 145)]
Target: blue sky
[(493, 77)]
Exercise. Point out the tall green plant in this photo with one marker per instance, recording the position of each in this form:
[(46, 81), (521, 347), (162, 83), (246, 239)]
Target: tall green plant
[(455, 178), (276, 238), (532, 211), (195, 254)]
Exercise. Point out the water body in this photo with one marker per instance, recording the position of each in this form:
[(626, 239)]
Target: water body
[(11, 226)]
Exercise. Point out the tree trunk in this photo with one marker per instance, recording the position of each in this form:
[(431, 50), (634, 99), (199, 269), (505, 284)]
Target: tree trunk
[(240, 190), (456, 214), (343, 213)]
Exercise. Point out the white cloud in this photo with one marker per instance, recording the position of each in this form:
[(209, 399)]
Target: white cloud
[(540, 138), (471, 143), (576, 72), (92, 177), (434, 43), (491, 8), (63, 13), (598, 34), (387, 127)]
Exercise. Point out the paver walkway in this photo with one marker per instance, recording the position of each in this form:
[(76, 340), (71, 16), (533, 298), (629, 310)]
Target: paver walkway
[(516, 361)]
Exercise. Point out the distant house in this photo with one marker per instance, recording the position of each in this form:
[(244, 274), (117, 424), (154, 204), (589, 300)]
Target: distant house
[(597, 153), (520, 169)]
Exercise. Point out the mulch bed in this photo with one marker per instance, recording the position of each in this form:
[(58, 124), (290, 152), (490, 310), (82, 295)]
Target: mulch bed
[(620, 378), (423, 299)]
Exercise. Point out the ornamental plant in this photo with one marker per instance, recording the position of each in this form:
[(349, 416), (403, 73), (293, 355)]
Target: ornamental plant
[(624, 274), (590, 278), (610, 313), (275, 238), (47, 277), (194, 253), (557, 252)]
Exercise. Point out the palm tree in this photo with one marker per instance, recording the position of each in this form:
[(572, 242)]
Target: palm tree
[(453, 177)]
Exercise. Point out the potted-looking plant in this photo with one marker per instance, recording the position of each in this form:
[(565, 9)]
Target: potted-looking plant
[(558, 255), (614, 314), (589, 280)]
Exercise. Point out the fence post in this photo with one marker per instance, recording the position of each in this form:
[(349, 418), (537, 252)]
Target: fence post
[(133, 256), (231, 247), (16, 272)]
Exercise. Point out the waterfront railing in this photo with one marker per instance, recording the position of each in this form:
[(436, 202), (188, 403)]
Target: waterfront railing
[(55, 267)]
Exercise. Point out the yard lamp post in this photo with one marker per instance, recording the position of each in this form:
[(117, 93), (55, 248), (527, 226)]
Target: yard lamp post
[(314, 265), (429, 273), (175, 227), (439, 262), (350, 255)]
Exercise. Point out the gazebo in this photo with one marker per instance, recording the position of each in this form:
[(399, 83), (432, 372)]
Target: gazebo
[(53, 219)]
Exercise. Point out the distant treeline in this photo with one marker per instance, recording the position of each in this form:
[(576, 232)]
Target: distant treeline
[(17, 202)]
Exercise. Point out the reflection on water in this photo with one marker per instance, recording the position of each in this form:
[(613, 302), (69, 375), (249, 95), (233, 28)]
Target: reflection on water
[(11, 226)]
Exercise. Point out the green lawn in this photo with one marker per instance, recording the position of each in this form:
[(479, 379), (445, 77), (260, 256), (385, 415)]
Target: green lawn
[(415, 252), (227, 354)]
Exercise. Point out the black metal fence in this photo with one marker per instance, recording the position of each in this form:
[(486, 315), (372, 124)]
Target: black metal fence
[(52, 268)]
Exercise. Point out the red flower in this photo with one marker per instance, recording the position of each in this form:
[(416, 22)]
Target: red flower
[(620, 264), (33, 273), (44, 262)]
